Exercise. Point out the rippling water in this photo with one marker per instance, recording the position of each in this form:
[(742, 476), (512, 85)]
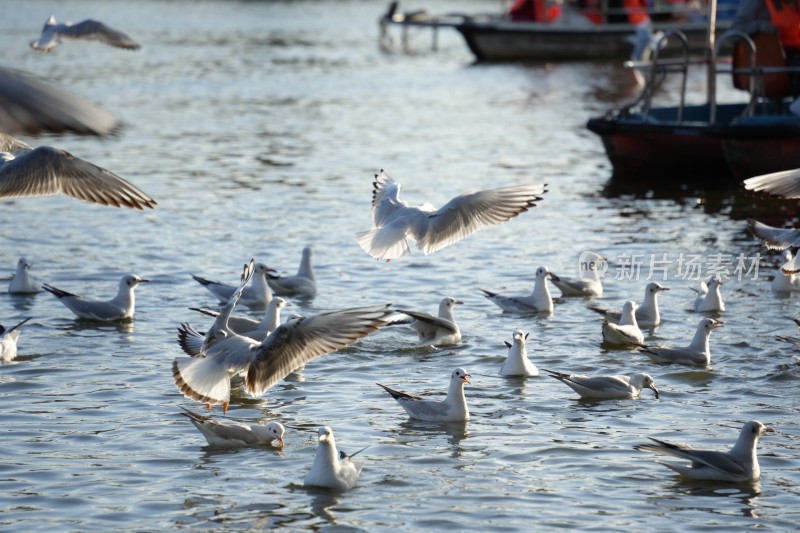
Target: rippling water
[(258, 126)]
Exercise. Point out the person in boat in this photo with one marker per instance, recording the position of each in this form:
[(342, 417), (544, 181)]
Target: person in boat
[(774, 17), (534, 11)]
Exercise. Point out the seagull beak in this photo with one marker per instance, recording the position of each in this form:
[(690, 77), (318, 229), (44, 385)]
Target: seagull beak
[(459, 302), (144, 281), (768, 430), (655, 390), (465, 378), (718, 324), (664, 288), (280, 442)]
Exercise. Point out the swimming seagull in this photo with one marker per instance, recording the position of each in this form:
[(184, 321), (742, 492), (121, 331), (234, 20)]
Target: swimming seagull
[(577, 287), (54, 32), (647, 315), (452, 409), (301, 284), (709, 298), (606, 387), (393, 220), (258, 294), (206, 378), (785, 282), (333, 469), (627, 332), (432, 330), (44, 171), (738, 465), (517, 362), (23, 282), (697, 353), (538, 301), (778, 239), (8, 341), (30, 107), (121, 307), (232, 433), (246, 326), (785, 184)]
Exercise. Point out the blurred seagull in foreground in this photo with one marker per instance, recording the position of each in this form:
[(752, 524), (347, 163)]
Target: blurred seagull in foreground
[(30, 107), (8, 341), (44, 171), (452, 409), (333, 469), (709, 297), (517, 362), (778, 239), (393, 220), (697, 353), (627, 332), (121, 307), (301, 284), (432, 330), (231, 433), (647, 315), (538, 301), (606, 387), (53, 33), (23, 282), (258, 294), (738, 465)]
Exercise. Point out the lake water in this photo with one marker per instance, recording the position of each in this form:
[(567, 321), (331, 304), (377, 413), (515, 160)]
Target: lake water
[(258, 127)]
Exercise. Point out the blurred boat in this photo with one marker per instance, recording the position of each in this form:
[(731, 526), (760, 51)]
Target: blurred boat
[(571, 35), (711, 140)]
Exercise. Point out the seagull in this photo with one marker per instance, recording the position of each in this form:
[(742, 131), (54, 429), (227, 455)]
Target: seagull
[(23, 282), (206, 378), (577, 287), (708, 297), (393, 220), (45, 171), (30, 107), (433, 331), (697, 353), (301, 284), (247, 327), (257, 295), (332, 469), (785, 282), (606, 387), (8, 341), (627, 332), (785, 184), (517, 362), (121, 307), (233, 433), (778, 239), (452, 409), (88, 30), (539, 301), (648, 315), (738, 465)]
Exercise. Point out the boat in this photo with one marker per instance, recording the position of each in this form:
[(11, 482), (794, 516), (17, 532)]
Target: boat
[(570, 36), (707, 141)]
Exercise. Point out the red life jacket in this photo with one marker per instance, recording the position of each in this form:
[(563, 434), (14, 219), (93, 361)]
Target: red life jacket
[(786, 18)]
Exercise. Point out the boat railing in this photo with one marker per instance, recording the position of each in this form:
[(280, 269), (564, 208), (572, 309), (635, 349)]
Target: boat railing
[(680, 65), (756, 73)]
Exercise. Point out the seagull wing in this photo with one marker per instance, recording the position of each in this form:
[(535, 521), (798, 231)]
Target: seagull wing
[(774, 238), (466, 214), (299, 341), (385, 201), (433, 322), (30, 107), (45, 171), (785, 183), (94, 30), (722, 461)]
